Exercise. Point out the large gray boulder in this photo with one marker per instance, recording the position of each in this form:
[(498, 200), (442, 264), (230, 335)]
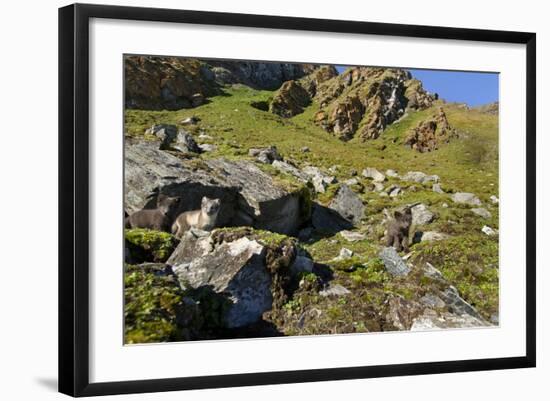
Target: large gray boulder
[(248, 196), (234, 272), (348, 205)]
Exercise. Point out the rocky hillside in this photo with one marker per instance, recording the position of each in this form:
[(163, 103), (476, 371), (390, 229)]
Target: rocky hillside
[(299, 247), (172, 83)]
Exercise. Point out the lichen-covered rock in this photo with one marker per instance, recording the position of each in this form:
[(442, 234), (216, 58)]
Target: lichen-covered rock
[(248, 195), (431, 133), (290, 99), (348, 205)]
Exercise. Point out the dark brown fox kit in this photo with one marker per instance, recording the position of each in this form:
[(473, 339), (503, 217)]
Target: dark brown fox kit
[(154, 219), (203, 219), (398, 230)]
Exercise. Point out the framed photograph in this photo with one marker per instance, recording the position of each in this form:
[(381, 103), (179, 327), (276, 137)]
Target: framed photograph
[(249, 199)]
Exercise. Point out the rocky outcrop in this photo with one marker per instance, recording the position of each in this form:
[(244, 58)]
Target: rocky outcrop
[(243, 270), (257, 75), (289, 100), (363, 101), (172, 83), (312, 81), (248, 196), (431, 133)]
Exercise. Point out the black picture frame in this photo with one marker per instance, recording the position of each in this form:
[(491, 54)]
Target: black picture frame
[(74, 198)]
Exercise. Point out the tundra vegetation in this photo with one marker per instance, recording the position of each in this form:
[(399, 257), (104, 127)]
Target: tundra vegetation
[(322, 271)]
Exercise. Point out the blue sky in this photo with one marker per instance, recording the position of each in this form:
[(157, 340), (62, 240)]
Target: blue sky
[(472, 88)]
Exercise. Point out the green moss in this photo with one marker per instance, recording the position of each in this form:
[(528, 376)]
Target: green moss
[(149, 245), (470, 263), (151, 304)]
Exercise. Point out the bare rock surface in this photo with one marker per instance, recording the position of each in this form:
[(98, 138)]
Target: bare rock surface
[(248, 195)]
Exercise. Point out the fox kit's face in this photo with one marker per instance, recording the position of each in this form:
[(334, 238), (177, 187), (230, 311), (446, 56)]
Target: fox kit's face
[(210, 206), (165, 202)]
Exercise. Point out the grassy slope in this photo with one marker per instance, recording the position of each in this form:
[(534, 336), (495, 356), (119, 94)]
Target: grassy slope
[(469, 259)]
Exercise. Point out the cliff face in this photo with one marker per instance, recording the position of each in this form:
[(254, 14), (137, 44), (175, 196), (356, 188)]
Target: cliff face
[(362, 101), (172, 83)]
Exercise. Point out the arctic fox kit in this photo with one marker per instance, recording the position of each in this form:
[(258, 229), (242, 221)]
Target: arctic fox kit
[(203, 219), (154, 219)]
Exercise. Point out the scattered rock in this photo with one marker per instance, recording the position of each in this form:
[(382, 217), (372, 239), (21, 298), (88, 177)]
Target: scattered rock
[(429, 236), (351, 182), (334, 290), (319, 180), (420, 177), (190, 120), (393, 190), (207, 147), (432, 320), (433, 301), (265, 155), (494, 200), (488, 231), (373, 173), (480, 211), (353, 172), (445, 205), (165, 132), (401, 312), (437, 188), (352, 236), (288, 168), (327, 220), (393, 262), (466, 198), (185, 143), (457, 304), (392, 173), (305, 149), (345, 253), (348, 205), (421, 215), (378, 187)]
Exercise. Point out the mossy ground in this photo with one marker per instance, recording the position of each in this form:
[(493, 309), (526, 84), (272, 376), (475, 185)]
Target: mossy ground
[(149, 245), (468, 259)]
